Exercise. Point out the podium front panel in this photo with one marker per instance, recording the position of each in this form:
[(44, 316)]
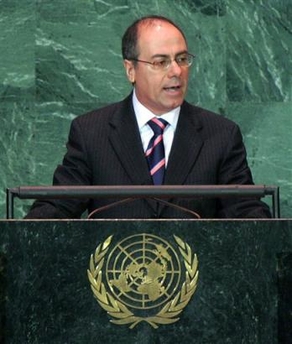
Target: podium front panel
[(46, 295)]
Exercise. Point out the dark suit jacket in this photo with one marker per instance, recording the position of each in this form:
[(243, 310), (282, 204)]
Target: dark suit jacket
[(104, 148)]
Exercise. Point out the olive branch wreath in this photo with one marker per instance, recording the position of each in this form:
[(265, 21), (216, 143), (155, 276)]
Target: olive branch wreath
[(120, 313)]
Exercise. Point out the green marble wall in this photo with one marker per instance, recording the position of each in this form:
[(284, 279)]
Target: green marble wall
[(61, 58)]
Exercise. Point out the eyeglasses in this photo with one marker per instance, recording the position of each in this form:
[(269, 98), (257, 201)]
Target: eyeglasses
[(163, 62)]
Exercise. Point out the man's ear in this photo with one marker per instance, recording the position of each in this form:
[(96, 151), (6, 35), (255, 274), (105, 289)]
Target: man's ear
[(130, 70)]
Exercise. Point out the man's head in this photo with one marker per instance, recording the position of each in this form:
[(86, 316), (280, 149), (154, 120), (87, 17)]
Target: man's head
[(157, 62)]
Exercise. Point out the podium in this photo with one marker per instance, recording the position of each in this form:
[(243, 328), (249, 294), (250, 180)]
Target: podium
[(242, 294)]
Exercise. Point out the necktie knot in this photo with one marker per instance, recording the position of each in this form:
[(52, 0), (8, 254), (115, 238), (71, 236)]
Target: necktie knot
[(157, 125)]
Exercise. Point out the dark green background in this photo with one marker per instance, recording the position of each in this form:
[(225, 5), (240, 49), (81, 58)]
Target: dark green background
[(61, 58)]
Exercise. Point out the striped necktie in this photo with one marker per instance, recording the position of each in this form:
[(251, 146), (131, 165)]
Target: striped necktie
[(155, 151)]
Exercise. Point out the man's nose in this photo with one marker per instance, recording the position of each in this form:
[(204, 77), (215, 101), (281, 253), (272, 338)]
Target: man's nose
[(174, 68)]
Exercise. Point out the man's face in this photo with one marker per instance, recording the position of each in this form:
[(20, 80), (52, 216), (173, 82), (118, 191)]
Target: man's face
[(159, 90)]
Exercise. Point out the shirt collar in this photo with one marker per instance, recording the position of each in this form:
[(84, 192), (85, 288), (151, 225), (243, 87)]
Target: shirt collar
[(143, 115)]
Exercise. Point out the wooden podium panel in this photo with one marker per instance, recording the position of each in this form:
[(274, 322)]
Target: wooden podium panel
[(46, 296)]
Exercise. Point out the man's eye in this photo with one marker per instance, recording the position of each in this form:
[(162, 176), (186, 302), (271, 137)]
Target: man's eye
[(160, 63), (182, 59)]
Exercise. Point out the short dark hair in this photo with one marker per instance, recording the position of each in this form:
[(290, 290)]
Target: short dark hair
[(130, 37)]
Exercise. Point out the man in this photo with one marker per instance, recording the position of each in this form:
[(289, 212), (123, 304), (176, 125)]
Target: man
[(108, 146)]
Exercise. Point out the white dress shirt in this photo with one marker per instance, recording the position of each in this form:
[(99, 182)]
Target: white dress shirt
[(143, 115)]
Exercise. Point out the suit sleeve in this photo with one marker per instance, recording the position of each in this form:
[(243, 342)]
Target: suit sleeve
[(234, 170), (73, 171)]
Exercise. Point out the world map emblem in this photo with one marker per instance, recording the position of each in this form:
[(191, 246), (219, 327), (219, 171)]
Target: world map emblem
[(143, 278)]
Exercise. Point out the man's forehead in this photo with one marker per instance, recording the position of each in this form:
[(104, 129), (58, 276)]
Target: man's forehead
[(156, 24), (159, 31)]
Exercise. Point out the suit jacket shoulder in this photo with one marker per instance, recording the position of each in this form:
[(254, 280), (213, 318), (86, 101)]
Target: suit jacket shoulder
[(111, 112)]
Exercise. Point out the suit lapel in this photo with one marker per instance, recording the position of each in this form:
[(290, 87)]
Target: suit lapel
[(126, 142), (186, 147), (185, 150)]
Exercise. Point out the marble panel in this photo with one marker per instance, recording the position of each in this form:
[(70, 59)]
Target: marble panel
[(17, 133), (48, 296), (3, 291), (17, 54), (266, 128), (259, 47), (285, 301)]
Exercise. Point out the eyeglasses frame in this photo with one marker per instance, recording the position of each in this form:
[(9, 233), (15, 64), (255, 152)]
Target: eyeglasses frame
[(170, 61)]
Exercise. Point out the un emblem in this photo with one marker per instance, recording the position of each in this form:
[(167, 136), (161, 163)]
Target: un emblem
[(143, 278)]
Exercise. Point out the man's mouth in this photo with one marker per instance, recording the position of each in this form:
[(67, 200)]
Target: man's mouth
[(172, 88)]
